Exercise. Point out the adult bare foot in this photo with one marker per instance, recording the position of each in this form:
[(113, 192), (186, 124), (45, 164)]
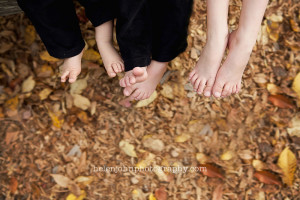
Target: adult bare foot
[(71, 68), (229, 76), (113, 62), (138, 74), (144, 90), (203, 75)]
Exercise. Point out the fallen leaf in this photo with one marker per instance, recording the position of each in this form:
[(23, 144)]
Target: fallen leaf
[(296, 84), (45, 71), (161, 193), (160, 173), (281, 101), (81, 101), (4, 47), (167, 91), (218, 193), (258, 165), (182, 138), (127, 148), (74, 188), (28, 84), (294, 130), (151, 197), (288, 163), (45, 56), (82, 116), (273, 89), (91, 55), (12, 103), (78, 86), (61, 180), (74, 197), (11, 137), (84, 181), (13, 185), (45, 93), (56, 120), (153, 144), (148, 159), (146, 102), (201, 158), (228, 155), (30, 35), (294, 26), (267, 177), (137, 194), (211, 171)]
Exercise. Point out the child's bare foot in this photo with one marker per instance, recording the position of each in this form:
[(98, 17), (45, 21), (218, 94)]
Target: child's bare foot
[(144, 90), (138, 74), (113, 62), (71, 68), (228, 80), (203, 75)]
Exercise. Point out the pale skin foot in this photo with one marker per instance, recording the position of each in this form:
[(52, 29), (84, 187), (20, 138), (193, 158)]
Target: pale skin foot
[(138, 74), (113, 62), (71, 68), (144, 90), (203, 75)]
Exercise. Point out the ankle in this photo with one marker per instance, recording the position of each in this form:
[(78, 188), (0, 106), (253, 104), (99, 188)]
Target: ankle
[(245, 40)]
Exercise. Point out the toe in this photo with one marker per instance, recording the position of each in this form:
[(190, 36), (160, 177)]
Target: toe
[(127, 91), (121, 67), (132, 80), (110, 72), (122, 82), (192, 74), (135, 94), (194, 78), (208, 88), (196, 85), (234, 89), (127, 81), (217, 88), (73, 77), (138, 71), (201, 86), (64, 76), (140, 74), (226, 90), (140, 97)]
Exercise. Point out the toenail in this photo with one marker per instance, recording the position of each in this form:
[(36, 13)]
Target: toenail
[(217, 94), (207, 94)]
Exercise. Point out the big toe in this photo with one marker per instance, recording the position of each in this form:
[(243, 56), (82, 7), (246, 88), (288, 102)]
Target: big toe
[(140, 74), (217, 89)]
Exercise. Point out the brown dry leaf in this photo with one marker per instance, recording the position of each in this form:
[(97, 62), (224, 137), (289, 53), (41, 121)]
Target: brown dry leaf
[(218, 193), (45, 71), (82, 162), (28, 84), (167, 91), (294, 26), (161, 193), (201, 158), (4, 47), (91, 55), (84, 181), (78, 86), (61, 180), (83, 116), (263, 38), (45, 93), (146, 102), (30, 35), (127, 148), (288, 163), (12, 104), (267, 177), (273, 30), (81, 101), (74, 188), (153, 144), (211, 171), (11, 137), (13, 185), (148, 159), (295, 128), (281, 101), (45, 56), (296, 84), (56, 120)]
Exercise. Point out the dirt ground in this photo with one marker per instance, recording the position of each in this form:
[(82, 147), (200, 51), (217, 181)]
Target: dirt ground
[(56, 137)]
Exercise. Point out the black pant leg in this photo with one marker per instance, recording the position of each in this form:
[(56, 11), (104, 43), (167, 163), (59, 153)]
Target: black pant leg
[(57, 24), (100, 11), (134, 32), (170, 28)]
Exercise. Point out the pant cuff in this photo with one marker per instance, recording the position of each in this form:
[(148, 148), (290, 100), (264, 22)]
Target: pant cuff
[(138, 62), (67, 54)]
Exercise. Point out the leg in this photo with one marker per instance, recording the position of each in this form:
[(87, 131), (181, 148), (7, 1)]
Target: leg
[(102, 13), (134, 38), (204, 74), (60, 32), (241, 42)]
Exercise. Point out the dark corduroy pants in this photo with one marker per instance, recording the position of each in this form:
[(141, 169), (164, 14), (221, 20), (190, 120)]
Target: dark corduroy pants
[(146, 29)]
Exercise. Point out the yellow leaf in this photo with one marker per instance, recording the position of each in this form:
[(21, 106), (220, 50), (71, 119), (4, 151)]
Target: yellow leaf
[(127, 148), (201, 158), (83, 117), (258, 165), (146, 102), (147, 161), (29, 35), (12, 103), (45, 56), (228, 155), (273, 89), (73, 197), (81, 101), (28, 84), (151, 197), (84, 180), (294, 26), (273, 30), (55, 119), (45, 93), (296, 84), (182, 138), (91, 55), (288, 163)]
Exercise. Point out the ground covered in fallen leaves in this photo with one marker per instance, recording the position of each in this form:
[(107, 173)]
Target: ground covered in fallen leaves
[(55, 137)]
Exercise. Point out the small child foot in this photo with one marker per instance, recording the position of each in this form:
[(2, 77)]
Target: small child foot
[(228, 80), (138, 74), (203, 75), (144, 90), (71, 68), (112, 61)]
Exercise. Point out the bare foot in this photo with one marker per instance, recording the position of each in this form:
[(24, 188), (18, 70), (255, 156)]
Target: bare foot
[(138, 74), (113, 62), (71, 68), (203, 75), (144, 90), (228, 80)]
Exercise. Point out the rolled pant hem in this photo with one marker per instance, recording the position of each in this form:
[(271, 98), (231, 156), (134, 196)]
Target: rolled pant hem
[(67, 54), (102, 21), (138, 62), (168, 56)]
